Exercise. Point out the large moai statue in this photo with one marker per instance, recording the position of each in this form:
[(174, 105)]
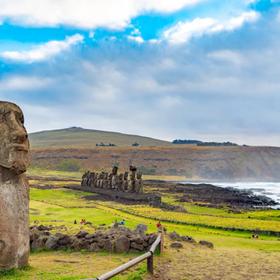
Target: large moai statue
[(105, 181), (133, 170), (120, 183), (125, 182), (115, 178), (85, 179), (14, 189), (139, 183)]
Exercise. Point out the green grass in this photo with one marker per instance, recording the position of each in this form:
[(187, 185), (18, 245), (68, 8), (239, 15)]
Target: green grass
[(225, 212), (72, 266), (62, 207)]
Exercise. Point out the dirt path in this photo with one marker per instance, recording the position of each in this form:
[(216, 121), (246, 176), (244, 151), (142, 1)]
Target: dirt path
[(197, 263)]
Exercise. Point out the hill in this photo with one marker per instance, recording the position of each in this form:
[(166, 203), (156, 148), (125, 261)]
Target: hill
[(76, 137)]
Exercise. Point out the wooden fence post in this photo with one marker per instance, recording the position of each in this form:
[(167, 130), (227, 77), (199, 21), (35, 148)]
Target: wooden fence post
[(161, 248), (150, 264)]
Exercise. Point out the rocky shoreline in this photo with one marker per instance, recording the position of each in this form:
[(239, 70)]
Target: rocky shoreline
[(213, 196)]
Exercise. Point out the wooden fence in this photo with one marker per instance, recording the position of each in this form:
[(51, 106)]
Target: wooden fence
[(149, 256)]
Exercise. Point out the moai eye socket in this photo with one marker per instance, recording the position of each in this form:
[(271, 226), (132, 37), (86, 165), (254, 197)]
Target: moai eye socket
[(2, 245)]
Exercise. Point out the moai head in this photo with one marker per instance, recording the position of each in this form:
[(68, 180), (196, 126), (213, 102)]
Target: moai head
[(121, 177), (85, 175), (132, 168), (139, 175), (106, 176), (14, 144), (115, 170)]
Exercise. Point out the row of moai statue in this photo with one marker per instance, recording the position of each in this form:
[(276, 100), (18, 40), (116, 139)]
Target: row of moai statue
[(123, 182)]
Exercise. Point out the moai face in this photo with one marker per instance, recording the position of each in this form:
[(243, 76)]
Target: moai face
[(14, 144), (115, 170), (132, 168), (125, 176), (139, 175)]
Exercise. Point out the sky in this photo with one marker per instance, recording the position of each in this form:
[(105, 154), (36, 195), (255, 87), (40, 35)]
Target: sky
[(169, 69)]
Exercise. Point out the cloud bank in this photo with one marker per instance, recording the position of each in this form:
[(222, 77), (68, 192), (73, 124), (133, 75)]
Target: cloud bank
[(211, 75), (182, 32), (84, 13), (44, 51)]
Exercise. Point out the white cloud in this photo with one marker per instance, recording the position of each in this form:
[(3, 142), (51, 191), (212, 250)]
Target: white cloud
[(84, 13), (137, 39), (229, 56), (44, 51), (22, 83), (183, 31)]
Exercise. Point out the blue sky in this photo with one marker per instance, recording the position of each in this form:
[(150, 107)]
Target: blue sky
[(167, 69)]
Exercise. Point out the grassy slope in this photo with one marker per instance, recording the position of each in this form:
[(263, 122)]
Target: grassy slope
[(62, 207), (85, 138), (232, 248)]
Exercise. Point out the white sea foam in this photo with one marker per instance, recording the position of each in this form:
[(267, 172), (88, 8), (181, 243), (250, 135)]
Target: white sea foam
[(269, 189)]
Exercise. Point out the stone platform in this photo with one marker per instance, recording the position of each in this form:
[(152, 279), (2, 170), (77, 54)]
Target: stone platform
[(153, 199)]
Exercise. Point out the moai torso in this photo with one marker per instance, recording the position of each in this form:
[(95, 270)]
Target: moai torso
[(100, 181), (120, 183), (92, 179), (105, 181), (85, 179), (14, 189), (110, 181), (125, 182), (115, 178), (132, 187), (139, 183)]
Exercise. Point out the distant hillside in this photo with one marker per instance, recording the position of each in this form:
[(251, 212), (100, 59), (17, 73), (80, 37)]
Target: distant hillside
[(195, 162), (76, 137)]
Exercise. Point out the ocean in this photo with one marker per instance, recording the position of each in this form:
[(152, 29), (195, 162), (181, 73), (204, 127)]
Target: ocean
[(269, 189)]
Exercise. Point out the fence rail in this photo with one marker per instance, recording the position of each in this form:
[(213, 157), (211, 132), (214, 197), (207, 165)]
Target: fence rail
[(147, 256)]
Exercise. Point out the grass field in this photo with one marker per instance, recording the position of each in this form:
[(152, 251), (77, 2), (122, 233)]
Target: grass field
[(235, 255)]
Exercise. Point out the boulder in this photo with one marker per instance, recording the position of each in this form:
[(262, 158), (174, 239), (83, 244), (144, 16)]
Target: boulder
[(81, 234), (176, 245), (109, 246), (188, 239), (152, 239), (64, 240), (52, 242), (174, 236), (39, 242), (137, 246), (122, 244), (206, 244), (141, 229), (94, 247), (76, 244)]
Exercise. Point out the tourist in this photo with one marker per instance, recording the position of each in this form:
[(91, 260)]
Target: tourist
[(159, 226)]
